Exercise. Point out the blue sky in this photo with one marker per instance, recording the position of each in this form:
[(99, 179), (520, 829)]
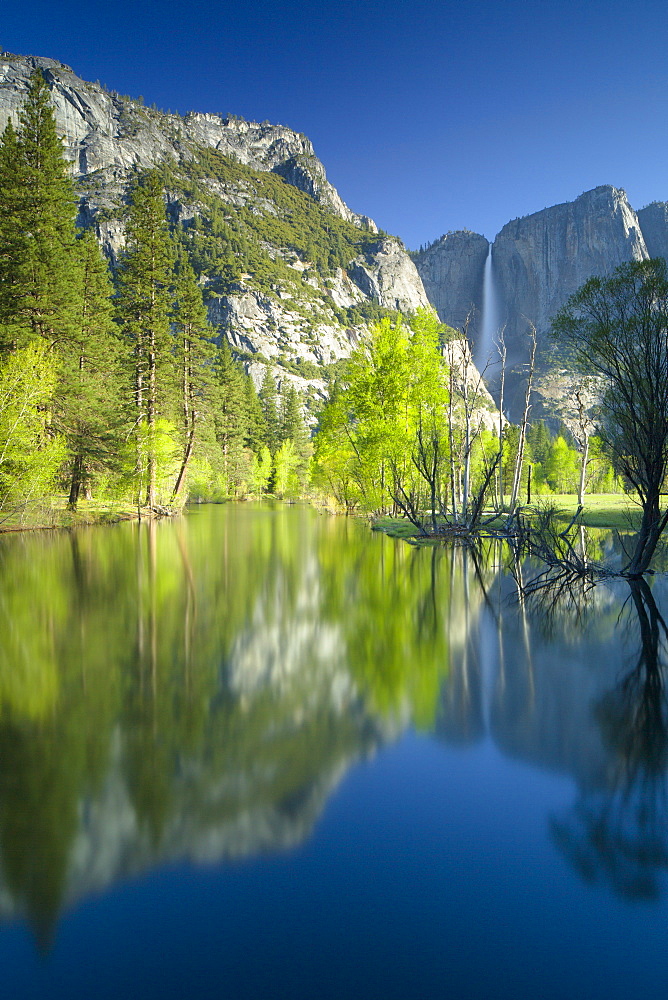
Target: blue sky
[(428, 116)]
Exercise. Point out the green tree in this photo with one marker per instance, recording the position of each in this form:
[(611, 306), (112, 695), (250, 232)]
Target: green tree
[(38, 265), (29, 456), (293, 430), (89, 397), (617, 329), (539, 440), (562, 467), (269, 402), (194, 354), (144, 308), (256, 429), (232, 418), (385, 419)]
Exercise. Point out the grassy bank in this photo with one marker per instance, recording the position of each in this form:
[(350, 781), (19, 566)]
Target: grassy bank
[(56, 514), (601, 510)]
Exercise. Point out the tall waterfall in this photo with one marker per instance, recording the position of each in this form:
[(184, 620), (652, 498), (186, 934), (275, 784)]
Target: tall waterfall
[(485, 349)]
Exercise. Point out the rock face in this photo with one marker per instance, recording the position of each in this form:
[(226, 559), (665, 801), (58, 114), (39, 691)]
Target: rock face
[(105, 131), (292, 302), (540, 260), (390, 277), (654, 224), (537, 263), (452, 271)]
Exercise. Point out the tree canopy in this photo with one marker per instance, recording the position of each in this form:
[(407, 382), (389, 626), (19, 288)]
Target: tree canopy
[(616, 328)]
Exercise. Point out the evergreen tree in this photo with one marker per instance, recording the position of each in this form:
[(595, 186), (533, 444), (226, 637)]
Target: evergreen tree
[(194, 353), (292, 422), (294, 432), (540, 442), (256, 428), (269, 403), (88, 407), (12, 234), (144, 306), (232, 417), (38, 272)]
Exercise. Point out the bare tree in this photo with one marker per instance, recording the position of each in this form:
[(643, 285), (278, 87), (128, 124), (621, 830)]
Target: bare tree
[(501, 346), (585, 427), (525, 419)]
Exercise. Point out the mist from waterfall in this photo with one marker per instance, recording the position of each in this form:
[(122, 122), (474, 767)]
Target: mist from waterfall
[(485, 348)]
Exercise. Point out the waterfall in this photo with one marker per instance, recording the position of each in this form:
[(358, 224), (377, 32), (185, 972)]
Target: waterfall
[(485, 348)]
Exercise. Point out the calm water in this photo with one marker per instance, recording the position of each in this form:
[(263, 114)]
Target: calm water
[(268, 754)]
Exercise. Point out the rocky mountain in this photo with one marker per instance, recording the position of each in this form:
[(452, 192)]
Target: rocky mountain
[(540, 260), (537, 262), (452, 271), (654, 225), (291, 274)]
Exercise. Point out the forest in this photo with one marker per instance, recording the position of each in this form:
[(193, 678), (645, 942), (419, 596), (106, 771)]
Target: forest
[(116, 389), (114, 384)]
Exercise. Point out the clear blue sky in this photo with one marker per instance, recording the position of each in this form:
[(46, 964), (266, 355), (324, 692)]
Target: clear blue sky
[(428, 116)]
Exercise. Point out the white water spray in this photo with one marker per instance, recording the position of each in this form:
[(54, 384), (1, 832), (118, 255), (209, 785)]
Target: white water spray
[(485, 348)]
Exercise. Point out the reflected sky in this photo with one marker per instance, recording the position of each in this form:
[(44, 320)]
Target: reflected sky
[(266, 752)]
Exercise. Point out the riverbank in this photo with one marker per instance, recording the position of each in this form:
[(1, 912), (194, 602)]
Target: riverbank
[(54, 514)]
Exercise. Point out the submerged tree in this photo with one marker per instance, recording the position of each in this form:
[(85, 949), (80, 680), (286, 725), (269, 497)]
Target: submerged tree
[(617, 329)]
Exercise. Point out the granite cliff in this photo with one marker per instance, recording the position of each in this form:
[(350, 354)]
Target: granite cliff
[(540, 260), (537, 262), (452, 271), (291, 275)]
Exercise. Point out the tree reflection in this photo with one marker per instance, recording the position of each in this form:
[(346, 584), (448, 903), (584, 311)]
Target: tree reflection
[(619, 835), (197, 689)]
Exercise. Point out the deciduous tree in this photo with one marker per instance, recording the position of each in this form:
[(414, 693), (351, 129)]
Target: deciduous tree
[(616, 327)]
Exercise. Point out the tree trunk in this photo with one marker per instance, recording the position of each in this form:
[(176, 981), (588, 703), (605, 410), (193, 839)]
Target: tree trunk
[(76, 482), (651, 527), (186, 458), (583, 471), (523, 429), (150, 424)]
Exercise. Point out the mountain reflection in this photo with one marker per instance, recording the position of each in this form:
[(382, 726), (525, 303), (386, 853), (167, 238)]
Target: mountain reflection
[(196, 690)]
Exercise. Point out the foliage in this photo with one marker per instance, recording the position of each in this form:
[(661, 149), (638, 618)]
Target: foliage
[(393, 385), (38, 288), (30, 456), (617, 329)]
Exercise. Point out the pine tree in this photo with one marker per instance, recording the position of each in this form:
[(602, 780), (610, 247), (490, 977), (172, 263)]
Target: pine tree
[(269, 403), (88, 405), (38, 293), (540, 441), (232, 416), (256, 429), (13, 237), (194, 353), (144, 305), (294, 432)]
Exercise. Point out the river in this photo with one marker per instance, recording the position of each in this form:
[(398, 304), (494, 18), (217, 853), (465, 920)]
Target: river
[(263, 752)]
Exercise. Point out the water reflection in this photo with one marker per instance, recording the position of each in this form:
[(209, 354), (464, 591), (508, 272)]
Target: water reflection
[(619, 834), (198, 689)]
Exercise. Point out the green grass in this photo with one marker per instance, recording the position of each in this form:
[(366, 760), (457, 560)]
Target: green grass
[(395, 527), (601, 510), (55, 513)]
